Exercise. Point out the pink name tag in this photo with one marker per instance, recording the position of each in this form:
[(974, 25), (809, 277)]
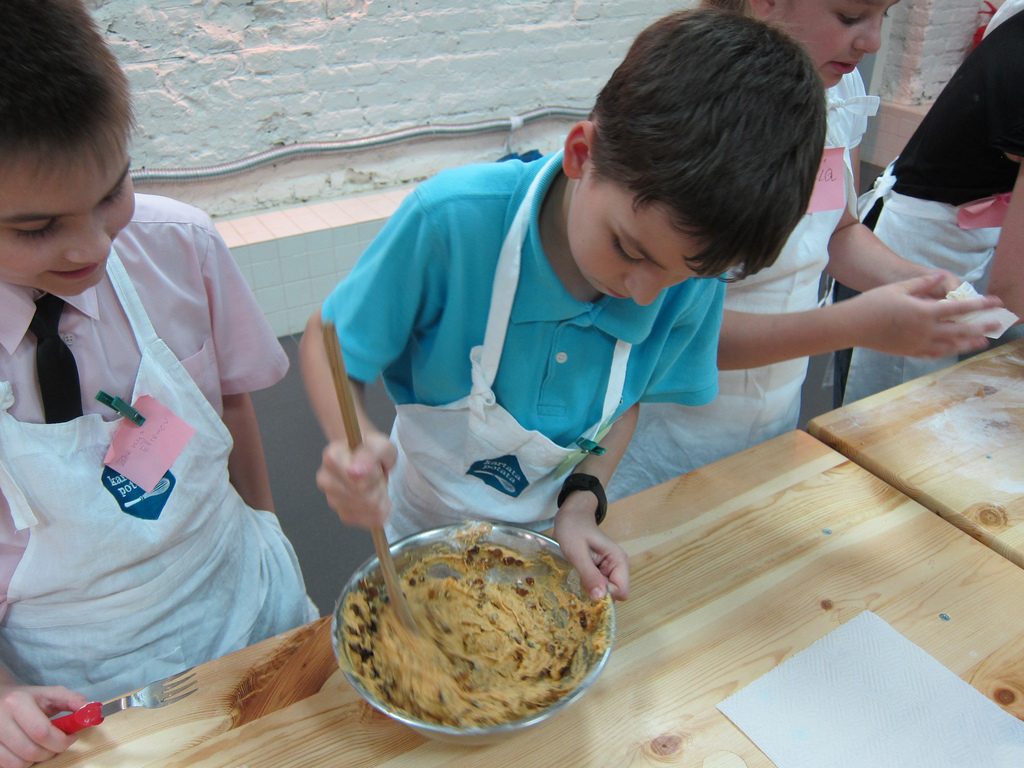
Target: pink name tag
[(143, 454), (830, 188)]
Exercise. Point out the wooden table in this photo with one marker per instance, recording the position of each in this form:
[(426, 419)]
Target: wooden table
[(952, 440), (736, 567)]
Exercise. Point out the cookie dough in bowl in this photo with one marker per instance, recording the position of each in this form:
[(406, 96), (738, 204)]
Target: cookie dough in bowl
[(506, 636)]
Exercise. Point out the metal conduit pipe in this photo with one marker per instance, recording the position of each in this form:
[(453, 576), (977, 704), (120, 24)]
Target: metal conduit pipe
[(315, 148)]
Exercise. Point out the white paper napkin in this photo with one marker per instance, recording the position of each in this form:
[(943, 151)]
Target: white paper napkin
[(866, 697), (1000, 315)]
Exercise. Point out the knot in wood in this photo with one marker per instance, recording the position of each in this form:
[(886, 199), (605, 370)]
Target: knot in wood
[(1005, 696), (667, 744), (991, 516)]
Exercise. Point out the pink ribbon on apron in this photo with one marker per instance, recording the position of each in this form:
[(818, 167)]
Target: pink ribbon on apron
[(986, 212)]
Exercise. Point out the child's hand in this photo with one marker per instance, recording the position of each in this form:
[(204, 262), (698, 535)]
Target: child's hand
[(907, 318), (356, 483), (26, 734), (602, 564), (945, 282)]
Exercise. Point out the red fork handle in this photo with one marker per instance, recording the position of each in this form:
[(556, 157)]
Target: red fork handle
[(82, 718)]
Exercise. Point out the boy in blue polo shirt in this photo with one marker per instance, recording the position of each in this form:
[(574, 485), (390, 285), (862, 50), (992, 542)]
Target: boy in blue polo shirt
[(520, 312)]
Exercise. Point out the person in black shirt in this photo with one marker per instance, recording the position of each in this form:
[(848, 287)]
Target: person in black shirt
[(947, 201)]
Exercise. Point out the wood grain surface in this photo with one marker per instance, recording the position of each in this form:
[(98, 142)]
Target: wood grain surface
[(952, 440), (231, 691), (736, 567)]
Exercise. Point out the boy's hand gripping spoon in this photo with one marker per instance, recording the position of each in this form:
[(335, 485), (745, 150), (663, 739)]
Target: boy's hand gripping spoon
[(348, 414)]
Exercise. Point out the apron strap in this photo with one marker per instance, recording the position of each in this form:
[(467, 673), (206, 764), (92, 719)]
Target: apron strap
[(859, 105), (503, 293), (21, 512), (506, 279), (616, 380), (141, 326), (866, 106), (883, 186)]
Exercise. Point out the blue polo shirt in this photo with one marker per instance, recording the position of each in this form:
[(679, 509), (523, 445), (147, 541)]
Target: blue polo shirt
[(417, 300)]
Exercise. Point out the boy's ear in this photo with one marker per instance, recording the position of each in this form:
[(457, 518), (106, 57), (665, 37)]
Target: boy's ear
[(577, 149), (762, 9)]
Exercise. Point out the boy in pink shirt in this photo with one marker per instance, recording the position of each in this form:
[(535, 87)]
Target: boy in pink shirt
[(107, 584)]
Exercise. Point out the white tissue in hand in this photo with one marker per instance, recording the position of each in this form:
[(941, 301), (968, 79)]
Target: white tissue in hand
[(965, 291), (1000, 315)]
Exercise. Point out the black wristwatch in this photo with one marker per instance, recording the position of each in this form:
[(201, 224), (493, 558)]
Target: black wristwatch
[(578, 481)]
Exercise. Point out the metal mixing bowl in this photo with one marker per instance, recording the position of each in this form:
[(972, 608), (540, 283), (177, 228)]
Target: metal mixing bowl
[(459, 538)]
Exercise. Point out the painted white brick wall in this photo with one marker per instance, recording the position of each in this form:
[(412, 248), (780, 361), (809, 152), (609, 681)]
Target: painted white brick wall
[(218, 80), (928, 41)]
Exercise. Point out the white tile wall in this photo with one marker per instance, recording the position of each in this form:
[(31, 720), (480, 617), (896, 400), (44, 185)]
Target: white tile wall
[(293, 258)]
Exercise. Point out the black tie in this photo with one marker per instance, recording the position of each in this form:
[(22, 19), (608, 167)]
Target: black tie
[(58, 374)]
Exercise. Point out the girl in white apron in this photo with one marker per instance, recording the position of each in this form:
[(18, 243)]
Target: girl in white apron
[(958, 173), (115, 591)]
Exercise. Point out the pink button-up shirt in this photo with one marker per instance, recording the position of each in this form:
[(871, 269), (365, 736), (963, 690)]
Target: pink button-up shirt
[(198, 303)]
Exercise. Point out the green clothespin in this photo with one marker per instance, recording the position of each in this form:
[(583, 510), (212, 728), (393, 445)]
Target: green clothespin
[(589, 446), (121, 407)]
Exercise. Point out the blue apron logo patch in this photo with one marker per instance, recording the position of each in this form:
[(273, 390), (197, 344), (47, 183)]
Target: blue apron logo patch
[(133, 500), (503, 474)]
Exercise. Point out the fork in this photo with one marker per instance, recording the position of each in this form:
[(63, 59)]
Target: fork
[(158, 694)]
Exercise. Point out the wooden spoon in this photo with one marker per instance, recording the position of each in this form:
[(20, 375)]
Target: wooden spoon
[(348, 414)]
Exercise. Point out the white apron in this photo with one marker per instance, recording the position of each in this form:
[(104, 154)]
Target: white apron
[(471, 460), (755, 404), (924, 232), (116, 590)]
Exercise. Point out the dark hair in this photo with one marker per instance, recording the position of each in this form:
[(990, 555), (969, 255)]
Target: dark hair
[(62, 91), (721, 118), (739, 6)]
